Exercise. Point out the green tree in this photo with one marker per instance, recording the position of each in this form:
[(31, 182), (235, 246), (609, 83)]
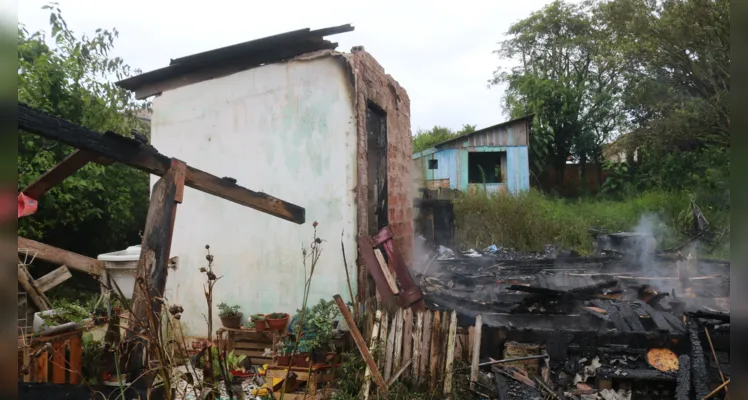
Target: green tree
[(425, 139), (676, 57), (567, 75), (99, 208)]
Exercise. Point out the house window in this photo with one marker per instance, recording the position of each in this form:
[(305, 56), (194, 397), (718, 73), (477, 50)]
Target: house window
[(486, 167), (433, 164)]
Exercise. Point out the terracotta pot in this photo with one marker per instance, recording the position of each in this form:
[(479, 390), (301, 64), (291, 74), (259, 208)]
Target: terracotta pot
[(301, 360), (260, 325), (277, 324), (283, 361), (234, 322)]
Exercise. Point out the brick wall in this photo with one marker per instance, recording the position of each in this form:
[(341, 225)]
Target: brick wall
[(373, 84)]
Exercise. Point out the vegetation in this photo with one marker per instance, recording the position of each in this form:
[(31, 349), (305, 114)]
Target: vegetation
[(530, 220), (425, 139), (317, 328), (227, 311), (98, 209)]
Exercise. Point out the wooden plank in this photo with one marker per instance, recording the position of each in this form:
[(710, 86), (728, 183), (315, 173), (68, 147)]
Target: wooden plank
[(59, 256), (359, 340), (397, 355), (630, 316), (399, 372), (76, 353), (27, 361), (660, 322), (390, 349), (448, 369), (53, 177), (434, 350), (476, 351), (27, 283), (443, 343), (612, 311), (386, 271), (373, 343), (417, 343), (425, 344), (369, 259), (251, 345), (53, 278), (132, 153), (41, 373), (58, 363), (471, 335), (383, 335), (407, 336)]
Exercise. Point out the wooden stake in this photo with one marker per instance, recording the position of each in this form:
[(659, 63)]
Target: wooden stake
[(390, 348), (373, 344), (450, 353), (435, 345), (476, 351), (407, 336), (425, 344), (397, 355), (383, 335), (417, 342), (360, 343), (386, 271)]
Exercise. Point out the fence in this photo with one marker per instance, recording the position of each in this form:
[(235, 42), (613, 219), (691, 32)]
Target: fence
[(421, 345), (55, 359)]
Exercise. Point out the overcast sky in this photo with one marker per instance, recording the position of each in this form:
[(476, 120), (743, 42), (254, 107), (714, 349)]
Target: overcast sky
[(441, 53)]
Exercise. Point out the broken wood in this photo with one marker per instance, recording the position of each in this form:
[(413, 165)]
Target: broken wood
[(683, 386), (474, 369), (373, 344), (130, 152), (360, 343), (383, 335), (715, 391), (714, 355), (407, 336), (59, 256), (450, 353), (71, 164), (417, 343), (435, 344), (399, 372), (390, 348), (27, 283), (53, 278), (425, 344), (369, 259), (386, 271), (411, 294), (397, 354), (699, 374)]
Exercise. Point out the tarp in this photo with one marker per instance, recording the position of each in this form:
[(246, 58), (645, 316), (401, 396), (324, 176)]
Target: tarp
[(26, 205)]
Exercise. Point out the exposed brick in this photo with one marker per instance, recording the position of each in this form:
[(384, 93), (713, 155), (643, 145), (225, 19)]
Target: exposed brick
[(373, 84)]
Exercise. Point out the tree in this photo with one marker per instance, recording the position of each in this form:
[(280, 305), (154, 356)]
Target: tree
[(567, 76), (425, 139), (99, 208), (677, 67)]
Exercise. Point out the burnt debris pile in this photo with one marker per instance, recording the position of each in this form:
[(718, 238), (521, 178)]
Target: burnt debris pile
[(615, 325)]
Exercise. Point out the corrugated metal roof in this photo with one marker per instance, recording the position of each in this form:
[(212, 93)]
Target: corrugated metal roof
[(249, 54), (482, 130)]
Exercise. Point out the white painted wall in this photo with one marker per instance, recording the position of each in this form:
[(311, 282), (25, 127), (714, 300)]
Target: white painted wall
[(288, 130)]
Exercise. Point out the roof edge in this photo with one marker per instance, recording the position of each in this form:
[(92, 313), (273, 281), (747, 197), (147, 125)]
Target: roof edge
[(464, 135)]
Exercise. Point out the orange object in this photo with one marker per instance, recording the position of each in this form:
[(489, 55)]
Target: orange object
[(26, 205), (663, 360)]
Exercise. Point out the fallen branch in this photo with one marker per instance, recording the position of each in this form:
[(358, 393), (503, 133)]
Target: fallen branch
[(715, 391)]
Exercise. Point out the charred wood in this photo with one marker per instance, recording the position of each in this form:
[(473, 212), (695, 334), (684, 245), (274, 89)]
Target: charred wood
[(683, 388), (635, 374), (699, 374)]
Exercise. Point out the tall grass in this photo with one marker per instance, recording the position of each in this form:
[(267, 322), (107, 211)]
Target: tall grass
[(530, 220)]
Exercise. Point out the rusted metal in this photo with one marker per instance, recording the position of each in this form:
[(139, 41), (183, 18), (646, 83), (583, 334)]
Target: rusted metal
[(412, 296)]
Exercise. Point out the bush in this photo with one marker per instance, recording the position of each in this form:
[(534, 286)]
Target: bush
[(530, 220)]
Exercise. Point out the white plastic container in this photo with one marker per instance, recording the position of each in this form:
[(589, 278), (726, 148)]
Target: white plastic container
[(121, 267)]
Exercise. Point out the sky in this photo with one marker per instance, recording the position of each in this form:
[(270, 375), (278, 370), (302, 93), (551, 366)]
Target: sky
[(441, 54)]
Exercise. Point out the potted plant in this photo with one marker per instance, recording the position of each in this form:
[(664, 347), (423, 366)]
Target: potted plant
[(277, 321), (259, 322), (230, 315), (317, 331), (235, 365), (283, 354)]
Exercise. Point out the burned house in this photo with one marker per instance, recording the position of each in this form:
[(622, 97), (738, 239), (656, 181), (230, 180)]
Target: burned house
[(494, 158), (288, 115)]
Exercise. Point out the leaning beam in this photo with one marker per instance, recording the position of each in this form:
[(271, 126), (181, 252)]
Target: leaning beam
[(130, 152), (59, 256)]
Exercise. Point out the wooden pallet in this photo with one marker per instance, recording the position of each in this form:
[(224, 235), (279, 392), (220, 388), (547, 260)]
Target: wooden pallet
[(313, 377), (248, 342), (61, 364)]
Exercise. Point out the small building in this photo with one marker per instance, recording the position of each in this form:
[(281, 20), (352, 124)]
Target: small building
[(292, 117), (494, 158)]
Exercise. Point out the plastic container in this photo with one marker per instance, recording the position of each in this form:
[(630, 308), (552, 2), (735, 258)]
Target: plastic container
[(121, 267)]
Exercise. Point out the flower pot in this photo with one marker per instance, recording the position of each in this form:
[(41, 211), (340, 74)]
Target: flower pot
[(301, 360), (260, 325), (233, 322), (277, 324), (283, 361)]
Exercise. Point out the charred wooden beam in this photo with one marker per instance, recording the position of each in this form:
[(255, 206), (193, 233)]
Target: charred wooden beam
[(722, 317), (635, 374), (630, 316), (70, 165), (699, 374), (683, 387), (618, 321), (137, 155), (594, 288), (59, 256), (656, 316), (411, 295), (152, 267)]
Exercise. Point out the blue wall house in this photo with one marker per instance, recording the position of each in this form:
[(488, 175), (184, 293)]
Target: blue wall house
[(494, 158)]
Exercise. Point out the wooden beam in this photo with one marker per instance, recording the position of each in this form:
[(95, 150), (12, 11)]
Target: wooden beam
[(53, 278), (70, 165), (59, 256), (153, 264), (137, 155), (36, 295), (474, 369)]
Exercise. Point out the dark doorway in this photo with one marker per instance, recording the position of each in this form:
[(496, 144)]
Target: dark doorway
[(486, 167), (376, 128)]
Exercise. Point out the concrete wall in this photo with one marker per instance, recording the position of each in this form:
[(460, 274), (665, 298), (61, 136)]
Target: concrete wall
[(288, 130), (373, 84)]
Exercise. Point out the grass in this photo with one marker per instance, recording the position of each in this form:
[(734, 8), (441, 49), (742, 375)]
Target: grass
[(530, 220)]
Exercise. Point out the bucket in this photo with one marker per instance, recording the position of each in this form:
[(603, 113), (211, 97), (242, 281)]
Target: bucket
[(121, 267)]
